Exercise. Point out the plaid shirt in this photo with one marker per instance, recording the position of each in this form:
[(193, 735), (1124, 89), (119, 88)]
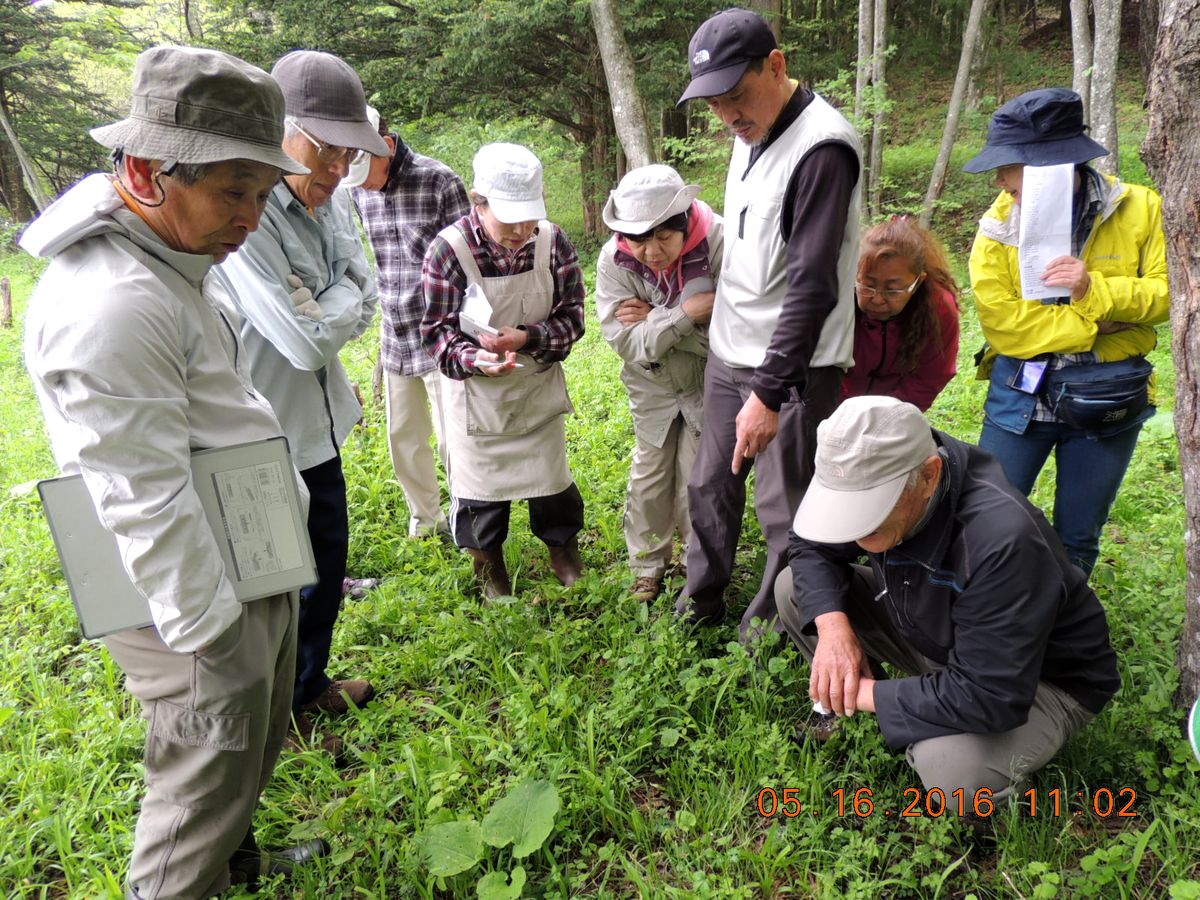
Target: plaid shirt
[(549, 341), (420, 198)]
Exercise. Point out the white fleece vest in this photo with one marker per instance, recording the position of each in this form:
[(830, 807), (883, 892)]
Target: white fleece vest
[(754, 272)]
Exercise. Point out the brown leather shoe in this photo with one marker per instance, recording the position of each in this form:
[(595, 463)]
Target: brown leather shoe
[(491, 574), (302, 736), (336, 698), (646, 588), (566, 562)]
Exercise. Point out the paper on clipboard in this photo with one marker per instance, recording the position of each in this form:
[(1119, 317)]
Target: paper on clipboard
[(253, 506), (476, 315), (1046, 196)]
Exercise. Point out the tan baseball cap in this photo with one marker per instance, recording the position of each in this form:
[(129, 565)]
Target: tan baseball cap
[(865, 451)]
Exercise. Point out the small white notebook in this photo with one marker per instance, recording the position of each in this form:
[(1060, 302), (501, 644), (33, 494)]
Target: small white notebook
[(250, 496)]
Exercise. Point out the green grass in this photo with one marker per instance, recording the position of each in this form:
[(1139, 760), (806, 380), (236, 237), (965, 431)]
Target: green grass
[(658, 740)]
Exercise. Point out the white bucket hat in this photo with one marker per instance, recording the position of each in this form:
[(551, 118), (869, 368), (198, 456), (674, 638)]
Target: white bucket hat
[(647, 197), (865, 451), (510, 177)]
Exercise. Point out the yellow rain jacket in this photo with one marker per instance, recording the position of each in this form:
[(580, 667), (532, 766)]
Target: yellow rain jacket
[(1126, 259)]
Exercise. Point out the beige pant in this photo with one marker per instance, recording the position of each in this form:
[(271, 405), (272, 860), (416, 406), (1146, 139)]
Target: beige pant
[(657, 502), (216, 720), (409, 398), (969, 761)]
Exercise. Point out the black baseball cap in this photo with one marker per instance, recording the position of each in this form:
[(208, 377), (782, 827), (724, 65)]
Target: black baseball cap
[(722, 48)]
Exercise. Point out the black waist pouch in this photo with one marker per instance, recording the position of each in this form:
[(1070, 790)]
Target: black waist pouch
[(1100, 396)]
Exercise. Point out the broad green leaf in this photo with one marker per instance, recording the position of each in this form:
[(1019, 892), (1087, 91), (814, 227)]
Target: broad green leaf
[(495, 885), (668, 737), (523, 817), (452, 847)]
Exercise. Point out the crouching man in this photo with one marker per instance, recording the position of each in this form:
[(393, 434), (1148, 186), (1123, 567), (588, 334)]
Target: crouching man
[(969, 593), (134, 350)]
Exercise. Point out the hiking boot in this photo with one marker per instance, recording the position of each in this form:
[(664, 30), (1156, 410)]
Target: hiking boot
[(357, 588), (302, 736), (646, 588), (248, 863), (566, 562), (490, 573), (336, 698)]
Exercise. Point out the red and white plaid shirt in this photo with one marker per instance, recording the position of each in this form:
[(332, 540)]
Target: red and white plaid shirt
[(445, 284)]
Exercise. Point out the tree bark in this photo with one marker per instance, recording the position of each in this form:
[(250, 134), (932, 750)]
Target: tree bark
[(879, 78), (866, 41), (1172, 154), (5, 303), (1081, 51), (628, 112), (32, 185), (772, 11), (937, 181), (1103, 106), (1148, 13)]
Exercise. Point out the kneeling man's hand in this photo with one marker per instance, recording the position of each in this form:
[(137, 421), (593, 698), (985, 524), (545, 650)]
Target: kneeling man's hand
[(839, 666)]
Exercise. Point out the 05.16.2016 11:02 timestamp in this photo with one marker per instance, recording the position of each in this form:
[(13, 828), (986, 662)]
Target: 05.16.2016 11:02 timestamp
[(1103, 802)]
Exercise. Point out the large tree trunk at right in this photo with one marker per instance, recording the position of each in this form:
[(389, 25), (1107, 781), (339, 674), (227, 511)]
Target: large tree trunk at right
[(937, 181), (1103, 120), (1172, 154), (629, 114)]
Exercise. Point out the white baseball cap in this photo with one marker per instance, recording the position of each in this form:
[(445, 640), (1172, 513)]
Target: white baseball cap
[(362, 168), (510, 177), (865, 451)]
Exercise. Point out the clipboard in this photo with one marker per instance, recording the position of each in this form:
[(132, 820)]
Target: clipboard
[(252, 502)]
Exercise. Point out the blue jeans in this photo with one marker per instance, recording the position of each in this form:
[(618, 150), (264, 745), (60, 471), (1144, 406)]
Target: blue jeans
[(1090, 469)]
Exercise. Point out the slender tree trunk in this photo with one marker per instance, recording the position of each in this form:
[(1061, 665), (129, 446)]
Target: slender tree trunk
[(1081, 51), (879, 77), (937, 181), (1103, 120), (628, 113), (1148, 13), (32, 184), (866, 41), (772, 11), (1172, 154)]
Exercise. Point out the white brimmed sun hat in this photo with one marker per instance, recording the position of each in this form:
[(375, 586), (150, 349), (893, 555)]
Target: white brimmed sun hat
[(646, 197)]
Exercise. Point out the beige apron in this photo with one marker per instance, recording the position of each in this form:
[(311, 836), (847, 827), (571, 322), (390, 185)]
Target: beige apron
[(505, 436)]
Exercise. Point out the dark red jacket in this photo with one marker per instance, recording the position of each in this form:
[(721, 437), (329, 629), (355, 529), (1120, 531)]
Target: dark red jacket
[(876, 345)]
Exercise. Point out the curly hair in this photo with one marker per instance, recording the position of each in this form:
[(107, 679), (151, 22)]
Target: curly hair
[(902, 237)]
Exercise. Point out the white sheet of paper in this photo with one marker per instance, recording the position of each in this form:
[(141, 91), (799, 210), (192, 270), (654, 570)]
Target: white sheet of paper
[(475, 317), (1046, 194)]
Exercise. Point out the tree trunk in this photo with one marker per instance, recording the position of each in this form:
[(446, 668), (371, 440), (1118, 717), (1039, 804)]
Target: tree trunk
[(937, 181), (1081, 51), (596, 161), (879, 78), (5, 303), (1148, 13), (772, 11), (29, 174), (1103, 119), (866, 40), (627, 110), (1172, 154)]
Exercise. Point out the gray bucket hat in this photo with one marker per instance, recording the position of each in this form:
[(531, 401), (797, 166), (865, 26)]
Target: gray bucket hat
[(326, 97), (191, 105), (647, 197)]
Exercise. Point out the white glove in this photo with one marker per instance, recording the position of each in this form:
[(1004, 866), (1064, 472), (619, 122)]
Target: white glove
[(302, 299)]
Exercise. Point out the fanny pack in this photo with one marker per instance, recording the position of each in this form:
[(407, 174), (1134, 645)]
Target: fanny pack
[(1099, 396)]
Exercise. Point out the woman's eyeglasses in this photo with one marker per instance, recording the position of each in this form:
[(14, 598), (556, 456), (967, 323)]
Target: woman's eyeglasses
[(327, 154), (866, 291)]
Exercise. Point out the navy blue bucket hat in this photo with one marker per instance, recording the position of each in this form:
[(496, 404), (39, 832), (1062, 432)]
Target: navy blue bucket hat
[(1039, 128)]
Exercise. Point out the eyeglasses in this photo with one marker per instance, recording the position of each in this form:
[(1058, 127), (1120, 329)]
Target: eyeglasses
[(327, 154), (866, 291)]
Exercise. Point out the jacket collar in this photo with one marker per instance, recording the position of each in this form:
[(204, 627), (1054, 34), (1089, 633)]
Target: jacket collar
[(929, 546)]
